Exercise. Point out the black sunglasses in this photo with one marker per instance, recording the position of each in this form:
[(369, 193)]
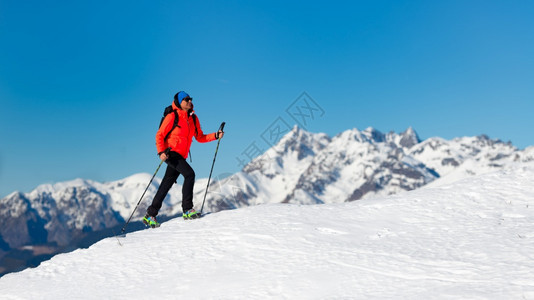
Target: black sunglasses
[(187, 99)]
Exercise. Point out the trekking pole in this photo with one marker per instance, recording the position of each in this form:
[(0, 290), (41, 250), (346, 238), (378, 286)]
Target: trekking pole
[(160, 163), (209, 179)]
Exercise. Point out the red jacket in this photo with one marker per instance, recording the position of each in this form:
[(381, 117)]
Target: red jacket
[(181, 136)]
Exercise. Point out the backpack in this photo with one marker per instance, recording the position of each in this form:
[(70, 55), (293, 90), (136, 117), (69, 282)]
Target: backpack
[(169, 110)]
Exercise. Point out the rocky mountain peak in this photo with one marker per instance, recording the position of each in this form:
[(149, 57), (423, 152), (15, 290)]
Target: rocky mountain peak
[(374, 135), (297, 143), (409, 138)]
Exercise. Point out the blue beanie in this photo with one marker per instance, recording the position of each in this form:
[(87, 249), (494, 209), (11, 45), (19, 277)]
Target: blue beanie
[(179, 97), (182, 95)]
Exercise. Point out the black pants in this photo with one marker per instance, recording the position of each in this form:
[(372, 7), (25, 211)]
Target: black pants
[(176, 165)]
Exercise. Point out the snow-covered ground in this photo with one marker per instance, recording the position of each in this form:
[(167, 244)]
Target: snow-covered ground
[(473, 239)]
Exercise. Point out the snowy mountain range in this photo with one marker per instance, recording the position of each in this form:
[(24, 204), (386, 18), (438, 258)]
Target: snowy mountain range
[(309, 168), (303, 168)]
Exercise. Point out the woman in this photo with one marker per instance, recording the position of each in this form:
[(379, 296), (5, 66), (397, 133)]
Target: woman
[(173, 144)]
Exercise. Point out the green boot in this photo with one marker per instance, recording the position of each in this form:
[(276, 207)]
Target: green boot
[(191, 214), (150, 221)]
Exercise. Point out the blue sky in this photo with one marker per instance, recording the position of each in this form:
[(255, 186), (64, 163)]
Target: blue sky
[(83, 83)]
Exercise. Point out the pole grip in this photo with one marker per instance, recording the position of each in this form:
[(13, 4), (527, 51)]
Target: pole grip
[(222, 126)]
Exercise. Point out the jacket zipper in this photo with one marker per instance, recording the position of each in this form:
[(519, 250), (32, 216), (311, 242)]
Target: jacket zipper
[(189, 138)]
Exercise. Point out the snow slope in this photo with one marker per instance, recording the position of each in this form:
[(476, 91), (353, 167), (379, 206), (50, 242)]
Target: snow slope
[(470, 239)]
